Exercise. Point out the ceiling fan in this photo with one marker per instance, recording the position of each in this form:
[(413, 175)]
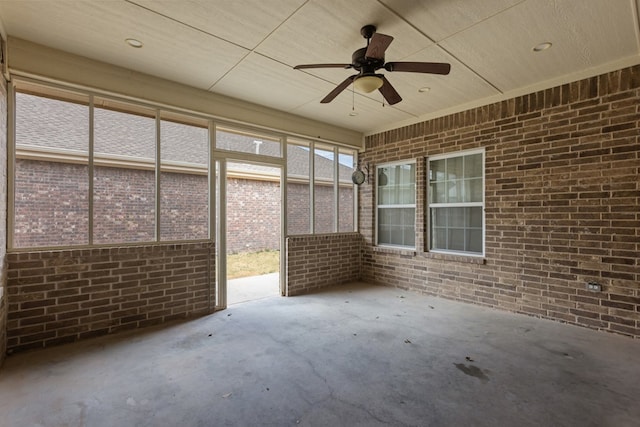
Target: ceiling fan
[(370, 59)]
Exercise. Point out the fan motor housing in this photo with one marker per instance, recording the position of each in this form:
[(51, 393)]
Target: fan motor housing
[(368, 65)]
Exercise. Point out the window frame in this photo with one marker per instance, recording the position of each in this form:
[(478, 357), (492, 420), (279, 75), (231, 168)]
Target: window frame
[(380, 166), (429, 205)]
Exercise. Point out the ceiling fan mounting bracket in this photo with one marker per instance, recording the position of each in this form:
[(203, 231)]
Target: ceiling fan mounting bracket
[(367, 31)]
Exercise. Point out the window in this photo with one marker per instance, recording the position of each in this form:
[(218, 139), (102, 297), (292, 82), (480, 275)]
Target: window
[(60, 156), (124, 198), (298, 190), (320, 198), (396, 204), (184, 181), (324, 189), (456, 203), (346, 191), (51, 181), (92, 169), (241, 141)]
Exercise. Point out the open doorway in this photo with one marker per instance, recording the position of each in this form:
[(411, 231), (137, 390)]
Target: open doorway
[(252, 231)]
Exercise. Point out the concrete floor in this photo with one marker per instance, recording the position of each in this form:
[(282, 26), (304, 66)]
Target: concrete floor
[(253, 288), (357, 355)]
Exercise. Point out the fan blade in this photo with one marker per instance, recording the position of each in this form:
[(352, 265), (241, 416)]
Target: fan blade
[(378, 44), (388, 91), (342, 86), (419, 67), (301, 67)]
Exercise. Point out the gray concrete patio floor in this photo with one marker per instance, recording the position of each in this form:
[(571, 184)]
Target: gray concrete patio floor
[(354, 355), (252, 288)]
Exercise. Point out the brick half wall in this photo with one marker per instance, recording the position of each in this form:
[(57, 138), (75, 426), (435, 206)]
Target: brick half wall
[(320, 261), (562, 194), (56, 297)]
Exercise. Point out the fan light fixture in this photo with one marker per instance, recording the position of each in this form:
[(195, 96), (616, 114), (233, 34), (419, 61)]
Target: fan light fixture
[(367, 84)]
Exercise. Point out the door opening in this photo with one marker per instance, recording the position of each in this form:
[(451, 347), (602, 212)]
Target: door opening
[(251, 204)]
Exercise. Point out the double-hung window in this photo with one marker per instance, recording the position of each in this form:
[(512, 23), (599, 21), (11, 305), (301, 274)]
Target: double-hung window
[(396, 204), (456, 203)]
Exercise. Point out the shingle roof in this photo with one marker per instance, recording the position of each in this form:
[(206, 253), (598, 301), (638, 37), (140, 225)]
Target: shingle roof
[(52, 123)]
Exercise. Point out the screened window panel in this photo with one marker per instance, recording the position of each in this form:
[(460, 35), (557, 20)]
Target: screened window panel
[(346, 213), (324, 192), (124, 198), (298, 190), (51, 199), (184, 181), (241, 141)]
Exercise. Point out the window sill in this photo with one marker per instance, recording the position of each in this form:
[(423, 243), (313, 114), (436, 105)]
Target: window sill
[(469, 259), (395, 251)]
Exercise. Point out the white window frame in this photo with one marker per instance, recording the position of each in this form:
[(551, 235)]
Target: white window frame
[(455, 205), (414, 205)]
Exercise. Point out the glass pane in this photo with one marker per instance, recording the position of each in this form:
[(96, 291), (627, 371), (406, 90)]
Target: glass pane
[(346, 212), (439, 217), (474, 217), (247, 142), (124, 197), (454, 191), (473, 190), (455, 168), (473, 166), (439, 239), (324, 165), (346, 160), (51, 204), (124, 135), (396, 185), (437, 170), (184, 181), (124, 205), (474, 241), (396, 226), (298, 191), (184, 143), (346, 218), (456, 239), (456, 217), (438, 192)]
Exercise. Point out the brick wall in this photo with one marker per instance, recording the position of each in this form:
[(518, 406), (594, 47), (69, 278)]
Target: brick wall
[(562, 194), (61, 296), (318, 261), (125, 206), (3, 218), (253, 215)]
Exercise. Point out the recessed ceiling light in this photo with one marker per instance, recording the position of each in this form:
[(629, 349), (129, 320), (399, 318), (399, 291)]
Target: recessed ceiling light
[(134, 43), (353, 114), (542, 46), (424, 89)]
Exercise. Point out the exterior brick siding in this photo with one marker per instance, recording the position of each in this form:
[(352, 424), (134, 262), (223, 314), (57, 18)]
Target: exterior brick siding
[(61, 296), (562, 193), (319, 261), (125, 204), (253, 215)]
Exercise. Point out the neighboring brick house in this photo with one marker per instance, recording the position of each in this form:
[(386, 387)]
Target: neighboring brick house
[(51, 166)]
